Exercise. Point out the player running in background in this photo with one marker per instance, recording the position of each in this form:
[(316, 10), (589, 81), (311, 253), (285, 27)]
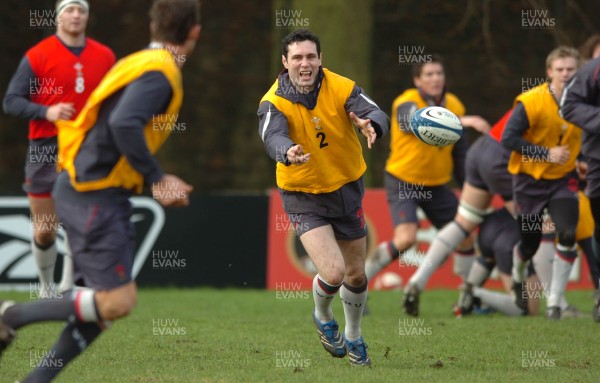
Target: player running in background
[(485, 175), (581, 105), (416, 175), (306, 123), (106, 154), (52, 82), (545, 148)]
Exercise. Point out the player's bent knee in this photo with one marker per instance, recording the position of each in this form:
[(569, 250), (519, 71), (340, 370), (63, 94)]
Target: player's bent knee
[(336, 280), (118, 308), (566, 238), (404, 243), (333, 278), (358, 279), (116, 304)]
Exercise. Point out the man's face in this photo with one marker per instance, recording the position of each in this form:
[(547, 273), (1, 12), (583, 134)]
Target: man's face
[(303, 64), (73, 20), (561, 70), (432, 79)]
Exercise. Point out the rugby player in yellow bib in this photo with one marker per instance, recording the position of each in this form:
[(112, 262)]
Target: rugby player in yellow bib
[(416, 175), (306, 123), (545, 148)]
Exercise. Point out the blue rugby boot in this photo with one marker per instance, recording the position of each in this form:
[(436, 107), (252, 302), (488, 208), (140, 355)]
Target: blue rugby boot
[(330, 336)]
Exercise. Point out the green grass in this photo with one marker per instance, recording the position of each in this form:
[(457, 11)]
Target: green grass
[(241, 336)]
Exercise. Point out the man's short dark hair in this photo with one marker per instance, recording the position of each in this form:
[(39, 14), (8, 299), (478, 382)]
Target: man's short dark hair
[(418, 68), (173, 19), (297, 37)]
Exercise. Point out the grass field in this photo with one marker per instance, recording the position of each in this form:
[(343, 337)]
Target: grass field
[(206, 335)]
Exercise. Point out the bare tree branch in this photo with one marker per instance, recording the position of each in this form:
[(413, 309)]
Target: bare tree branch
[(497, 63)]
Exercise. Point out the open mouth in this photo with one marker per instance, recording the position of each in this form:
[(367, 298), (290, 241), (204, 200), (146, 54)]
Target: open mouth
[(305, 75)]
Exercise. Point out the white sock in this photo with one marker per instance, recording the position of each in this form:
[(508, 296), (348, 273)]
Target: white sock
[(463, 263), (66, 283), (478, 274), (518, 269), (561, 269), (323, 294), (499, 301), (444, 243), (378, 261), (542, 263), (563, 304), (353, 299), (45, 261)]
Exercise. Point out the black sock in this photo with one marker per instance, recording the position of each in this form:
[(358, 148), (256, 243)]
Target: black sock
[(74, 339), (588, 251), (596, 249), (395, 253)]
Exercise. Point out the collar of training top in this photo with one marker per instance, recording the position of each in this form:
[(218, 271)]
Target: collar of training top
[(432, 101)]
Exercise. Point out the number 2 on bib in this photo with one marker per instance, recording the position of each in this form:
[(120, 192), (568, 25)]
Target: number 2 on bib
[(322, 144)]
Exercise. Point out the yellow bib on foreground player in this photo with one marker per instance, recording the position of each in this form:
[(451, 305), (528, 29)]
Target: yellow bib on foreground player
[(71, 134)]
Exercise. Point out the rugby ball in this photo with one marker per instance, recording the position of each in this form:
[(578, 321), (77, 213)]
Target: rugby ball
[(388, 281), (436, 126)]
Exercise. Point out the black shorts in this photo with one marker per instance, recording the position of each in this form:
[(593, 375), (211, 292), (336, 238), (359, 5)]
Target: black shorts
[(342, 209), (531, 195), (102, 241), (487, 167), (438, 202), (40, 166), (498, 234)]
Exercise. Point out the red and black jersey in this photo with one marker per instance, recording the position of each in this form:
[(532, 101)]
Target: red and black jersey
[(62, 76)]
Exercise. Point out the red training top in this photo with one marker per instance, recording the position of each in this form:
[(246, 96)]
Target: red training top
[(61, 76), (498, 128)]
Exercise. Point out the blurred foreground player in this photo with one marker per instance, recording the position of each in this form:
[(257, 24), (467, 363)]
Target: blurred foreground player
[(52, 82), (306, 123), (106, 155), (581, 105)]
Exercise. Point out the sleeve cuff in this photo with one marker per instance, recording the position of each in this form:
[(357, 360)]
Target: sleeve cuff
[(153, 177), (377, 128), (42, 112), (285, 161)]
